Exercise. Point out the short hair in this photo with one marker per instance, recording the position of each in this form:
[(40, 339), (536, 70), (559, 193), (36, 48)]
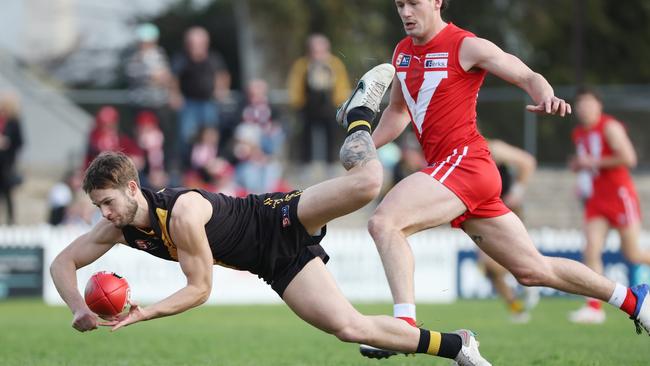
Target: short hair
[(587, 90), (110, 170)]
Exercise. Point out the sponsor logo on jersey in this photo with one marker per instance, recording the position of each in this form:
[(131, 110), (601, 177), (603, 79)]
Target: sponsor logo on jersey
[(145, 244), (437, 55), (285, 216), (403, 60), (435, 63)]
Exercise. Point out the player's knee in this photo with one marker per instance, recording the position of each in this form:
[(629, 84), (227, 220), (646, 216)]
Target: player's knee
[(351, 332), (379, 224), (369, 184), (532, 276)]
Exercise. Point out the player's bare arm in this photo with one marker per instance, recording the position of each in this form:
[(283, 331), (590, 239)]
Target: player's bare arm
[(394, 119), (82, 251), (187, 230), (483, 54), (624, 154)]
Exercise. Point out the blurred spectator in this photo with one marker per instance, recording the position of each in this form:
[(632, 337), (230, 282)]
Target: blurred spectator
[(62, 195), (202, 78), (411, 159), (11, 140), (318, 83), (150, 81), (208, 170), (105, 136), (150, 140), (256, 171), (258, 111)]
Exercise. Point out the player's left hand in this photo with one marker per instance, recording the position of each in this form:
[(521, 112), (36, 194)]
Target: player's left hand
[(134, 315), (552, 105)]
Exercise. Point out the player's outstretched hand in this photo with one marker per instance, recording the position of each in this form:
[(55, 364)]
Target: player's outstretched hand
[(552, 105), (85, 320), (134, 315)]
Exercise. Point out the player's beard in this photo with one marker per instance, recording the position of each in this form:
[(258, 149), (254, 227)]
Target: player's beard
[(129, 213)]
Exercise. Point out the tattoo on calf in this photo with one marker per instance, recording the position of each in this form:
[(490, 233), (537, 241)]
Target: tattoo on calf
[(476, 239), (357, 149)]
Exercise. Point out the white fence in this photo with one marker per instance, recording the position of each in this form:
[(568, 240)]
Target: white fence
[(354, 263)]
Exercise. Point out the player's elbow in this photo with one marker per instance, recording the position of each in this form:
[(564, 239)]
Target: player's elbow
[(631, 161), (202, 294)]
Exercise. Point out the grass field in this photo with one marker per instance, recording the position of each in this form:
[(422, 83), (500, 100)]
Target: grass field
[(32, 333)]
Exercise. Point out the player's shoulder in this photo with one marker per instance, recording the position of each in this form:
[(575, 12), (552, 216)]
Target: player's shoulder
[(104, 232), (192, 203)]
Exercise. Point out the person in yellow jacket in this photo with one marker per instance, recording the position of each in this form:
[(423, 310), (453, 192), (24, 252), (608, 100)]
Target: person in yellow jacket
[(318, 82)]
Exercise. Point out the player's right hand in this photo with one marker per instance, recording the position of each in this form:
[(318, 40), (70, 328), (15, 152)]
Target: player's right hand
[(84, 320)]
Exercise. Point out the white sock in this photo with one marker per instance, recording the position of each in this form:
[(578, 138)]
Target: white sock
[(404, 311), (618, 296)]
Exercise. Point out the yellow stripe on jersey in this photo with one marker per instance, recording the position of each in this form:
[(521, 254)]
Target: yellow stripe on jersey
[(167, 240)]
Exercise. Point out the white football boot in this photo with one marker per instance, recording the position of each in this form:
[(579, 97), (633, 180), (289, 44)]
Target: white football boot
[(369, 92), (641, 315), (469, 354), (587, 315)]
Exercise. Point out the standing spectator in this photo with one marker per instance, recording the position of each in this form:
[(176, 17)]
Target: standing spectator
[(317, 83), (11, 140), (202, 78), (105, 136), (150, 81)]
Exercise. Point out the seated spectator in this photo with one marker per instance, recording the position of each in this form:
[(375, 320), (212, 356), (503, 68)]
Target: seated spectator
[(105, 136), (256, 171), (150, 140), (259, 112)]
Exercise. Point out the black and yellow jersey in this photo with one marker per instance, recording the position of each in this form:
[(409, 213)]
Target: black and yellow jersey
[(257, 233)]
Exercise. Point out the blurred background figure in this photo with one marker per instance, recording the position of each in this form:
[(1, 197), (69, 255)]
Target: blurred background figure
[(150, 140), (106, 136), (258, 143), (516, 167), (63, 196), (150, 82), (604, 157), (203, 80), (317, 83), (11, 141)]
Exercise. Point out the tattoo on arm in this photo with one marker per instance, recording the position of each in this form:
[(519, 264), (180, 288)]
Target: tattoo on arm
[(357, 149)]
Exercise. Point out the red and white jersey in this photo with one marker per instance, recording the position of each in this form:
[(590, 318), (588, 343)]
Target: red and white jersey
[(591, 141), (440, 95)]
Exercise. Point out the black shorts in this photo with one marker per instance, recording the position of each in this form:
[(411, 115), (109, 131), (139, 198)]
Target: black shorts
[(288, 246)]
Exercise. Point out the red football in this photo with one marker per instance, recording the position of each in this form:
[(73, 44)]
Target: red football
[(107, 294)]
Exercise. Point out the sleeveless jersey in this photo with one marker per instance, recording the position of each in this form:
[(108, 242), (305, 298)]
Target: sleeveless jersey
[(440, 95), (591, 141)]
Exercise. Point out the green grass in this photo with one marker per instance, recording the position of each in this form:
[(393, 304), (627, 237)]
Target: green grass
[(34, 334)]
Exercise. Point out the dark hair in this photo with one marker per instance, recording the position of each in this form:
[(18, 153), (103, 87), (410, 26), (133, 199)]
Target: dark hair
[(445, 5), (587, 90), (110, 170)]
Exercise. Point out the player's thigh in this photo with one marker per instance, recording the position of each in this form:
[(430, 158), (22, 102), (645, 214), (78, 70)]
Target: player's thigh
[(314, 296), (419, 202), (339, 196), (595, 232), (491, 266), (506, 240)]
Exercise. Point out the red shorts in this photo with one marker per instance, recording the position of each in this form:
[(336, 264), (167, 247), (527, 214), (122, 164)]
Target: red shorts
[(470, 173), (619, 206)]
